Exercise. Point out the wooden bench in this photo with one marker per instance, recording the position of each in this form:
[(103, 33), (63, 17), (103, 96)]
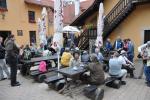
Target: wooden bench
[(53, 79), (39, 76), (113, 82), (56, 82)]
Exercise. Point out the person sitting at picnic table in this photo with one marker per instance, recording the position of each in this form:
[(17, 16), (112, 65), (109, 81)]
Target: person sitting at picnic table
[(75, 61), (33, 48), (115, 68), (41, 49), (99, 55), (95, 68), (85, 58), (66, 57), (126, 64)]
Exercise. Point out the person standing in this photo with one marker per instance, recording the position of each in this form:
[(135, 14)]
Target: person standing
[(108, 45), (12, 52), (3, 66), (118, 43), (146, 57), (130, 51), (99, 55)]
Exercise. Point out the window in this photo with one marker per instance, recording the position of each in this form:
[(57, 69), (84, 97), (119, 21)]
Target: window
[(3, 5), (32, 35), (146, 36), (19, 32), (31, 15)]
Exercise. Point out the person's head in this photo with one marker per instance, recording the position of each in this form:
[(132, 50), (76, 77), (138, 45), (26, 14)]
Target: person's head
[(108, 40), (116, 54), (118, 38), (27, 46), (93, 58), (123, 53), (22, 46), (76, 54), (97, 50), (12, 37), (148, 44), (67, 49), (41, 45), (1, 39), (85, 52)]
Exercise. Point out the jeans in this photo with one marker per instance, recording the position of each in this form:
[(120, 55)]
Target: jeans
[(12, 61), (3, 67), (130, 57), (147, 73)]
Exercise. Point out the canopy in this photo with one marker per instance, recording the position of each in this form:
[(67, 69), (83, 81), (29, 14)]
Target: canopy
[(71, 29)]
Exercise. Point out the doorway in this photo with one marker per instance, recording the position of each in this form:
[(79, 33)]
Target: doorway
[(4, 34), (146, 36), (32, 35)]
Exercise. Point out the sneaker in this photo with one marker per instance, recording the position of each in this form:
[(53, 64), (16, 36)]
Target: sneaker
[(3, 79), (17, 84), (123, 82), (148, 84)]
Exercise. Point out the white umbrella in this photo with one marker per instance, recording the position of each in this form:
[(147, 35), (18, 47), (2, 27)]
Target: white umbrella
[(71, 29), (100, 26), (42, 25), (58, 25)]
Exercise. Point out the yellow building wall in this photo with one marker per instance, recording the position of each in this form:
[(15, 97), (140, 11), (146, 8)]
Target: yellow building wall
[(133, 26), (16, 18), (109, 4)]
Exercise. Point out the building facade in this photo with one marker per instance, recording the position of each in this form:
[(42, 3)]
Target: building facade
[(124, 18), (20, 18)]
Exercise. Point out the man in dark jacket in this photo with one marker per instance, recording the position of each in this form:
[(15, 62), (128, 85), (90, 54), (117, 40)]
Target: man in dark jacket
[(118, 44), (3, 66), (97, 76), (11, 54)]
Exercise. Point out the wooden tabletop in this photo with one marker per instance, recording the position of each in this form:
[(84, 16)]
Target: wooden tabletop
[(70, 72), (38, 59)]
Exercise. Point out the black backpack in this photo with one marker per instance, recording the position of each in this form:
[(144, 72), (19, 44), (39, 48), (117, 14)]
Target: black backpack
[(27, 55), (2, 52)]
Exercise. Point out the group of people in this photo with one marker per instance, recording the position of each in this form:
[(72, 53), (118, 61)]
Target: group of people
[(120, 63), (126, 44)]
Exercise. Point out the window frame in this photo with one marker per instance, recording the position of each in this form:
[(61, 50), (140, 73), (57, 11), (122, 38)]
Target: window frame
[(31, 16), (3, 6)]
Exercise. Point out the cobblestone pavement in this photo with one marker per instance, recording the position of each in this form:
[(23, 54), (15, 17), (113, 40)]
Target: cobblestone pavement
[(29, 90)]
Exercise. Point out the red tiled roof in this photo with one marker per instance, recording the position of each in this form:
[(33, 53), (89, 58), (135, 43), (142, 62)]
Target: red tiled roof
[(46, 3), (69, 11)]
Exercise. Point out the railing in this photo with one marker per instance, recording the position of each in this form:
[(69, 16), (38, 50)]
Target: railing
[(115, 16), (117, 10), (86, 35)]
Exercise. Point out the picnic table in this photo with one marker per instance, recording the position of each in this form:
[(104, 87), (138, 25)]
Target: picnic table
[(73, 74), (27, 64)]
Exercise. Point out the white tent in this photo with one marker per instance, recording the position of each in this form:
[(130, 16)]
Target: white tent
[(71, 29)]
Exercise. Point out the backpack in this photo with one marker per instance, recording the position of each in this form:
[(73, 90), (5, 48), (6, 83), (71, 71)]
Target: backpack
[(27, 55), (42, 66)]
